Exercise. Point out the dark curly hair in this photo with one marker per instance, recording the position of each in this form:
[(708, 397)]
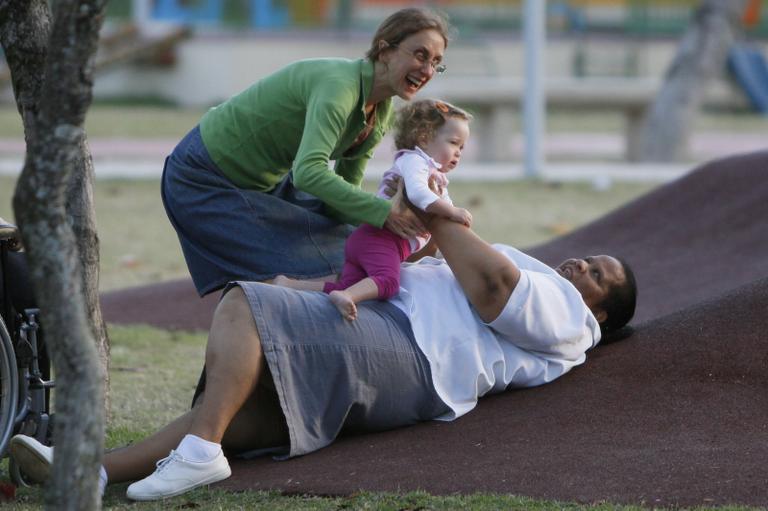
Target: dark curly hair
[(417, 122), (619, 304)]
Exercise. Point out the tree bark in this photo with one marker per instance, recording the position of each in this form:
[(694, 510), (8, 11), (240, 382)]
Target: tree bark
[(81, 217), (701, 56), (52, 75)]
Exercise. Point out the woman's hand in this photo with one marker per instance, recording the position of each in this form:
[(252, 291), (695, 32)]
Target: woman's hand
[(392, 182), (401, 220), (435, 185)]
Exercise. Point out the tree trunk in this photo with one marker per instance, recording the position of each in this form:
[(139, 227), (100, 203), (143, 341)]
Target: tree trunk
[(52, 74), (82, 219), (700, 57)]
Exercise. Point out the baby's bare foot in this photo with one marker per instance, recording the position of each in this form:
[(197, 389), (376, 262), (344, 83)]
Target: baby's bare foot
[(344, 303)]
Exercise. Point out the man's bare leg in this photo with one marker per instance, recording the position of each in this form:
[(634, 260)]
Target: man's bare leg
[(259, 423), (234, 363), (138, 460)]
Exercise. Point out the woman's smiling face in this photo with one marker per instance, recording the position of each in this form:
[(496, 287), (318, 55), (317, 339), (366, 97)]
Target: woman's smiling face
[(411, 64)]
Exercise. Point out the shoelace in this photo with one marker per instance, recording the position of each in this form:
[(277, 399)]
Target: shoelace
[(163, 463)]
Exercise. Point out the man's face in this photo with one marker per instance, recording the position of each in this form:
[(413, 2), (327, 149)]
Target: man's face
[(593, 276)]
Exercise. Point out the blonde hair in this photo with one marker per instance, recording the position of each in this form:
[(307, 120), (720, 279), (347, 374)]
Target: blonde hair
[(418, 122), (404, 23)]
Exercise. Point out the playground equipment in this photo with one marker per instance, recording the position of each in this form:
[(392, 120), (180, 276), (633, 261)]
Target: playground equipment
[(126, 43), (748, 65), (749, 69)]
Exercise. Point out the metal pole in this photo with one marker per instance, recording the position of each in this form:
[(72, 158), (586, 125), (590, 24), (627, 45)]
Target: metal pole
[(141, 11), (534, 32)]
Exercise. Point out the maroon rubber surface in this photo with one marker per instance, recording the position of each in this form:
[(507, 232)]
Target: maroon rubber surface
[(675, 415), (174, 305)]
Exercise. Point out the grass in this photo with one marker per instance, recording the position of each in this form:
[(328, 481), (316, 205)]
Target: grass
[(138, 121), (139, 246), (273, 501), (153, 376), (159, 121)]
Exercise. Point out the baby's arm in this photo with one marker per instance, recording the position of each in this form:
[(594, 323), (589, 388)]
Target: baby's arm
[(415, 172), (445, 209)]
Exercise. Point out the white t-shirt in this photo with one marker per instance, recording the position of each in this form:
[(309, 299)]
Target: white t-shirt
[(543, 331)]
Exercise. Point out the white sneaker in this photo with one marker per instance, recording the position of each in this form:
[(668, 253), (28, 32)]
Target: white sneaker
[(34, 459), (175, 475)]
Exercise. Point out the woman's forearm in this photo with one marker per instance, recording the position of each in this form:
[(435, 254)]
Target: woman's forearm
[(486, 276), (346, 202)]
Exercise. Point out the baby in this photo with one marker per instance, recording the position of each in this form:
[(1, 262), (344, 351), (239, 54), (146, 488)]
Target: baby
[(430, 136)]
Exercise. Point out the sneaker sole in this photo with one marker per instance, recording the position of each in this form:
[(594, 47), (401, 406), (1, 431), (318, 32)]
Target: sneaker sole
[(35, 467), (215, 478)]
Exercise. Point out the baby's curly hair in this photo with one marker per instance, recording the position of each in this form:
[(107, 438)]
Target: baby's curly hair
[(419, 121)]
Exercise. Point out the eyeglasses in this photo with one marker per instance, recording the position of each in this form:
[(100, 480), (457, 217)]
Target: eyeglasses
[(423, 58)]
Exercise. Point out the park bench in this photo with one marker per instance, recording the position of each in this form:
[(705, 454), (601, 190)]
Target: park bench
[(496, 101)]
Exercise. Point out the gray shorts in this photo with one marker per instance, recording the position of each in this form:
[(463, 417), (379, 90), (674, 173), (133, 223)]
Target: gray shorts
[(334, 375)]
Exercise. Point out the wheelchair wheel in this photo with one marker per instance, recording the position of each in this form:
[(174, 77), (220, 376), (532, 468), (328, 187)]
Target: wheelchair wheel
[(9, 388), (18, 477)]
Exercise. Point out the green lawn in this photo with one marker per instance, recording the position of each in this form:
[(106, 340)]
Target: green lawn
[(118, 121), (205, 499), (139, 246), (156, 121)]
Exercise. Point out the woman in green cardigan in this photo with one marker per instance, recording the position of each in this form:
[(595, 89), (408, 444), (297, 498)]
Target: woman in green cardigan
[(250, 191)]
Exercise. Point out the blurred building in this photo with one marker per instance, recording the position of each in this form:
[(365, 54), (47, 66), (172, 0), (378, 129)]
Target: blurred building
[(234, 42), (199, 52), (225, 45)]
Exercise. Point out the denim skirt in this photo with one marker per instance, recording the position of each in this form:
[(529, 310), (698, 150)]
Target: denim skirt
[(229, 233), (334, 375)]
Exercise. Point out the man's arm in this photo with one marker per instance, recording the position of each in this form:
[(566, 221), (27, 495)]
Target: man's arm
[(486, 276)]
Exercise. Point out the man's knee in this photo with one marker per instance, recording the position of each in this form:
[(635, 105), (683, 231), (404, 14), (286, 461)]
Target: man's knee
[(233, 305), (232, 320)]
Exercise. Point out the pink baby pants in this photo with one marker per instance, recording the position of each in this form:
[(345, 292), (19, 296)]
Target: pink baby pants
[(375, 253)]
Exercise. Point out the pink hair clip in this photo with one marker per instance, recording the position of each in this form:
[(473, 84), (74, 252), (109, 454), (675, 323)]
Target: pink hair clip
[(442, 107)]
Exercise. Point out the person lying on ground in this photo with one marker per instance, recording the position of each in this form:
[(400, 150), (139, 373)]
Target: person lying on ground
[(485, 319)]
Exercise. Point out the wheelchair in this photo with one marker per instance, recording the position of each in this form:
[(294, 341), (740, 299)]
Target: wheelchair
[(25, 368)]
